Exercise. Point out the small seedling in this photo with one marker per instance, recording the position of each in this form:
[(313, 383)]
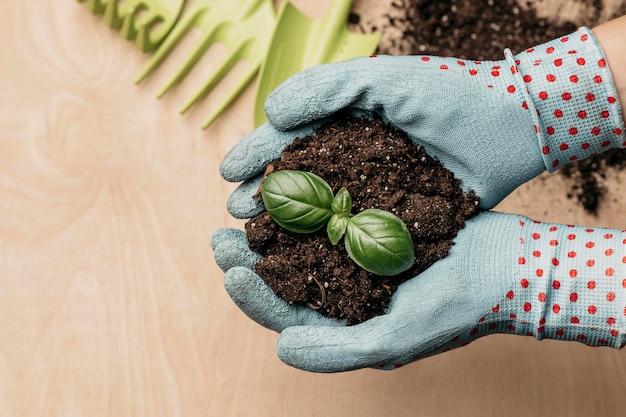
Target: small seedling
[(302, 202)]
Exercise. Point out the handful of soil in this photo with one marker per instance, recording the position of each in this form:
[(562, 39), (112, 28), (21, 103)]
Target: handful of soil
[(382, 169)]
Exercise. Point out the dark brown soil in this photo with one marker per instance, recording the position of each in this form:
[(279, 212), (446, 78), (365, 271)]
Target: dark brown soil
[(482, 29), (381, 168), (468, 29), (587, 177)]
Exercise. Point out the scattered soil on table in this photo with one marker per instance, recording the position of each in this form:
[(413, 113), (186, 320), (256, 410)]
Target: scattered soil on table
[(381, 168), (481, 30), (587, 177)]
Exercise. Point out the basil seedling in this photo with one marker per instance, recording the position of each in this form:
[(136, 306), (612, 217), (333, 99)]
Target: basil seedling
[(302, 202)]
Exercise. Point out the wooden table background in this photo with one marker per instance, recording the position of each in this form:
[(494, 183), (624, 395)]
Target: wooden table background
[(110, 301)]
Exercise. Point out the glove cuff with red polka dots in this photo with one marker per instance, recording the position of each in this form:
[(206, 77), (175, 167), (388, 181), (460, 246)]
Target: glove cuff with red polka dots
[(570, 92), (570, 284)]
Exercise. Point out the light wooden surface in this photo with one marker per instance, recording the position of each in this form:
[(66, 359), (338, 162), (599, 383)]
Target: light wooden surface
[(110, 301)]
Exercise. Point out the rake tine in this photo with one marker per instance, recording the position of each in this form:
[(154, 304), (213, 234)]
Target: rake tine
[(233, 94), (219, 73), (201, 46), (173, 39), (111, 15), (142, 41), (128, 31)]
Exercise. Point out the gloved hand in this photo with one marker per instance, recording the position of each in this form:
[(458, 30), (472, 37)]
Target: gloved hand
[(494, 124), (505, 274)]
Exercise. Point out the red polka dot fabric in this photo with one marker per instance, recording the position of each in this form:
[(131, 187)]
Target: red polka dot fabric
[(569, 86), (569, 284), (566, 283)]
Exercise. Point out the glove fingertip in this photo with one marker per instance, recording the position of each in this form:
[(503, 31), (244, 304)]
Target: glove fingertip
[(252, 153), (284, 109), (258, 301), (314, 349), (306, 96), (235, 253), (242, 203), (225, 234), (316, 92), (237, 279)]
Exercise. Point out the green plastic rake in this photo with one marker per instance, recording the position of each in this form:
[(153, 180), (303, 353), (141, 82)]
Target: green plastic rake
[(274, 47)]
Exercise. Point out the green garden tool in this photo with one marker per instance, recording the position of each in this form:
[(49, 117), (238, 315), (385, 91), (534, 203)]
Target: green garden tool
[(147, 22), (243, 26), (299, 42)]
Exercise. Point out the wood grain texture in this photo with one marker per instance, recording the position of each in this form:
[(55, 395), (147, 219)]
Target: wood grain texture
[(110, 302)]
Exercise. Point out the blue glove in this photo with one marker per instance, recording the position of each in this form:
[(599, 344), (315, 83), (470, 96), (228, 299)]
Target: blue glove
[(505, 274), (494, 124)]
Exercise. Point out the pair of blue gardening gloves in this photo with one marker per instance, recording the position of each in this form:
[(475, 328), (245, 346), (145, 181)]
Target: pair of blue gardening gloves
[(495, 125)]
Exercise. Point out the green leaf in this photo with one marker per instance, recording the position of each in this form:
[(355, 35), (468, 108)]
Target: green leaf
[(379, 242), (298, 201), (336, 228), (342, 203)]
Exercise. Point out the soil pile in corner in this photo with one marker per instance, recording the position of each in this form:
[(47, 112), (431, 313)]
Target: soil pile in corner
[(381, 168), (467, 29)]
